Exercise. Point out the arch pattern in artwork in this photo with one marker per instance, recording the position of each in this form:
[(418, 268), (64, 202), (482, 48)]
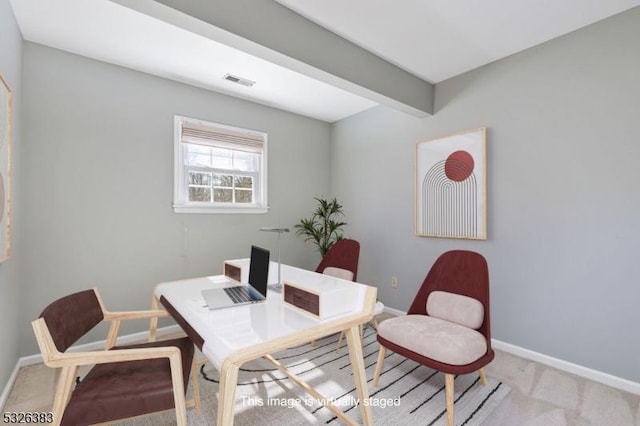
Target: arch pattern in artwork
[(451, 186)]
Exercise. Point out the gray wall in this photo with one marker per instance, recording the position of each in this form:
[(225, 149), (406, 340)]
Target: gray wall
[(563, 198), (93, 188), (10, 283), (98, 183)]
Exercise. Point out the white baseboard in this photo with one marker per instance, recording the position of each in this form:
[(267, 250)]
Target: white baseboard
[(395, 312), (569, 367), (578, 370), (9, 385), (92, 346)]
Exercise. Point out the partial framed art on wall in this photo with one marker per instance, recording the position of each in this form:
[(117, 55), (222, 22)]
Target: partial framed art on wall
[(5, 170), (451, 188)]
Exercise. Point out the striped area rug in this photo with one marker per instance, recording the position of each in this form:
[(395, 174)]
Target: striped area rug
[(408, 393)]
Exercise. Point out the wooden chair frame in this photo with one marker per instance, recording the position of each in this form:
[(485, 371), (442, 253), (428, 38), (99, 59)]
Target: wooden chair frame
[(69, 362)]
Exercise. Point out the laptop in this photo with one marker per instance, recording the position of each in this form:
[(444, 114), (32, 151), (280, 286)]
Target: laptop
[(236, 295)]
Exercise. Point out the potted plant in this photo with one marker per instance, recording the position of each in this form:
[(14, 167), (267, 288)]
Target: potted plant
[(323, 227)]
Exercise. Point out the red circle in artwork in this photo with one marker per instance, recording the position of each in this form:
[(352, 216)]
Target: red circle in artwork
[(458, 166)]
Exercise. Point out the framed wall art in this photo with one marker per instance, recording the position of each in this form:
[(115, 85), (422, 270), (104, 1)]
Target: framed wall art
[(451, 186), (5, 170)]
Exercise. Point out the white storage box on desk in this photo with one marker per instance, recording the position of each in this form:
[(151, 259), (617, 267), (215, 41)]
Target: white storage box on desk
[(323, 297), (238, 270)]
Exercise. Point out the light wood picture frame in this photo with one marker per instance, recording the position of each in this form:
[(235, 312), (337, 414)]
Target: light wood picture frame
[(450, 186), (5, 169)]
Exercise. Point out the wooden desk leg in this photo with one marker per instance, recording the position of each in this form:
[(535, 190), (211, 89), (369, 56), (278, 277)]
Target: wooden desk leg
[(359, 375), (227, 393), (153, 322)]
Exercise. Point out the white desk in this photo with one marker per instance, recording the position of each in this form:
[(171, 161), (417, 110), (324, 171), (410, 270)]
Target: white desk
[(230, 337)]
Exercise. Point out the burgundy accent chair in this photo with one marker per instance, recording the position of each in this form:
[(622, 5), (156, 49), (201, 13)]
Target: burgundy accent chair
[(343, 254), (447, 327), (341, 261), (126, 381)]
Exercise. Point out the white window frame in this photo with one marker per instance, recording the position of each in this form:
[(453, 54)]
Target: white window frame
[(181, 203)]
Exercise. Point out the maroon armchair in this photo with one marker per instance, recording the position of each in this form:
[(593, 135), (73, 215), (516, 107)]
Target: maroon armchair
[(344, 254), (126, 381), (341, 261), (447, 327)]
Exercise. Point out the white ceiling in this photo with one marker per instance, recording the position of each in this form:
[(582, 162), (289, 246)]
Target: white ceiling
[(439, 39), (109, 32), (433, 40)]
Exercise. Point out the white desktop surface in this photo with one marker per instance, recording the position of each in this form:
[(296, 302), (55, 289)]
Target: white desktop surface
[(226, 331), (235, 335)]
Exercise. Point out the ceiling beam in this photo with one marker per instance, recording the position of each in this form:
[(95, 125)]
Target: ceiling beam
[(270, 31)]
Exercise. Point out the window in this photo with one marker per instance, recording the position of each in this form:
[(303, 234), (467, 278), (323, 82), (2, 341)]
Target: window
[(218, 168)]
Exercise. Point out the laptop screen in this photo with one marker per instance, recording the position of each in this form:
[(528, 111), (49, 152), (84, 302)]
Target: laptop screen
[(259, 269)]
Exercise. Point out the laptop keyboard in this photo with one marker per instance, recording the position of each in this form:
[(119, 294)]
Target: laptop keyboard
[(239, 294)]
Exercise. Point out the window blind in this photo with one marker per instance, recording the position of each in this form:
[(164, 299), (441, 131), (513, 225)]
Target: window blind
[(221, 137)]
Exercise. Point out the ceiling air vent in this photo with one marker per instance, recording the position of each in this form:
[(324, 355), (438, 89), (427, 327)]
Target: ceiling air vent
[(239, 80)]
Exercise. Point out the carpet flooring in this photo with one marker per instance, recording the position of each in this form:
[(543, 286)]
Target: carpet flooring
[(540, 396), (408, 393)]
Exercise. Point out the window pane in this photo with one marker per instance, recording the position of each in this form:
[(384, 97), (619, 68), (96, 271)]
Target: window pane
[(199, 194), (223, 195), (245, 161), (198, 155), (222, 158), (244, 196), (214, 172), (223, 180), (193, 148), (200, 178), (201, 160), (244, 182)]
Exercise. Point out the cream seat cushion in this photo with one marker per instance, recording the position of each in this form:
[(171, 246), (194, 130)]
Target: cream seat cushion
[(345, 274), (456, 308), (435, 338)]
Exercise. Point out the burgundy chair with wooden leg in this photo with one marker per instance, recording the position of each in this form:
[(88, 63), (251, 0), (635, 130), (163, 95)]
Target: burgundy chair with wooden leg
[(341, 261), (124, 381), (447, 327)]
